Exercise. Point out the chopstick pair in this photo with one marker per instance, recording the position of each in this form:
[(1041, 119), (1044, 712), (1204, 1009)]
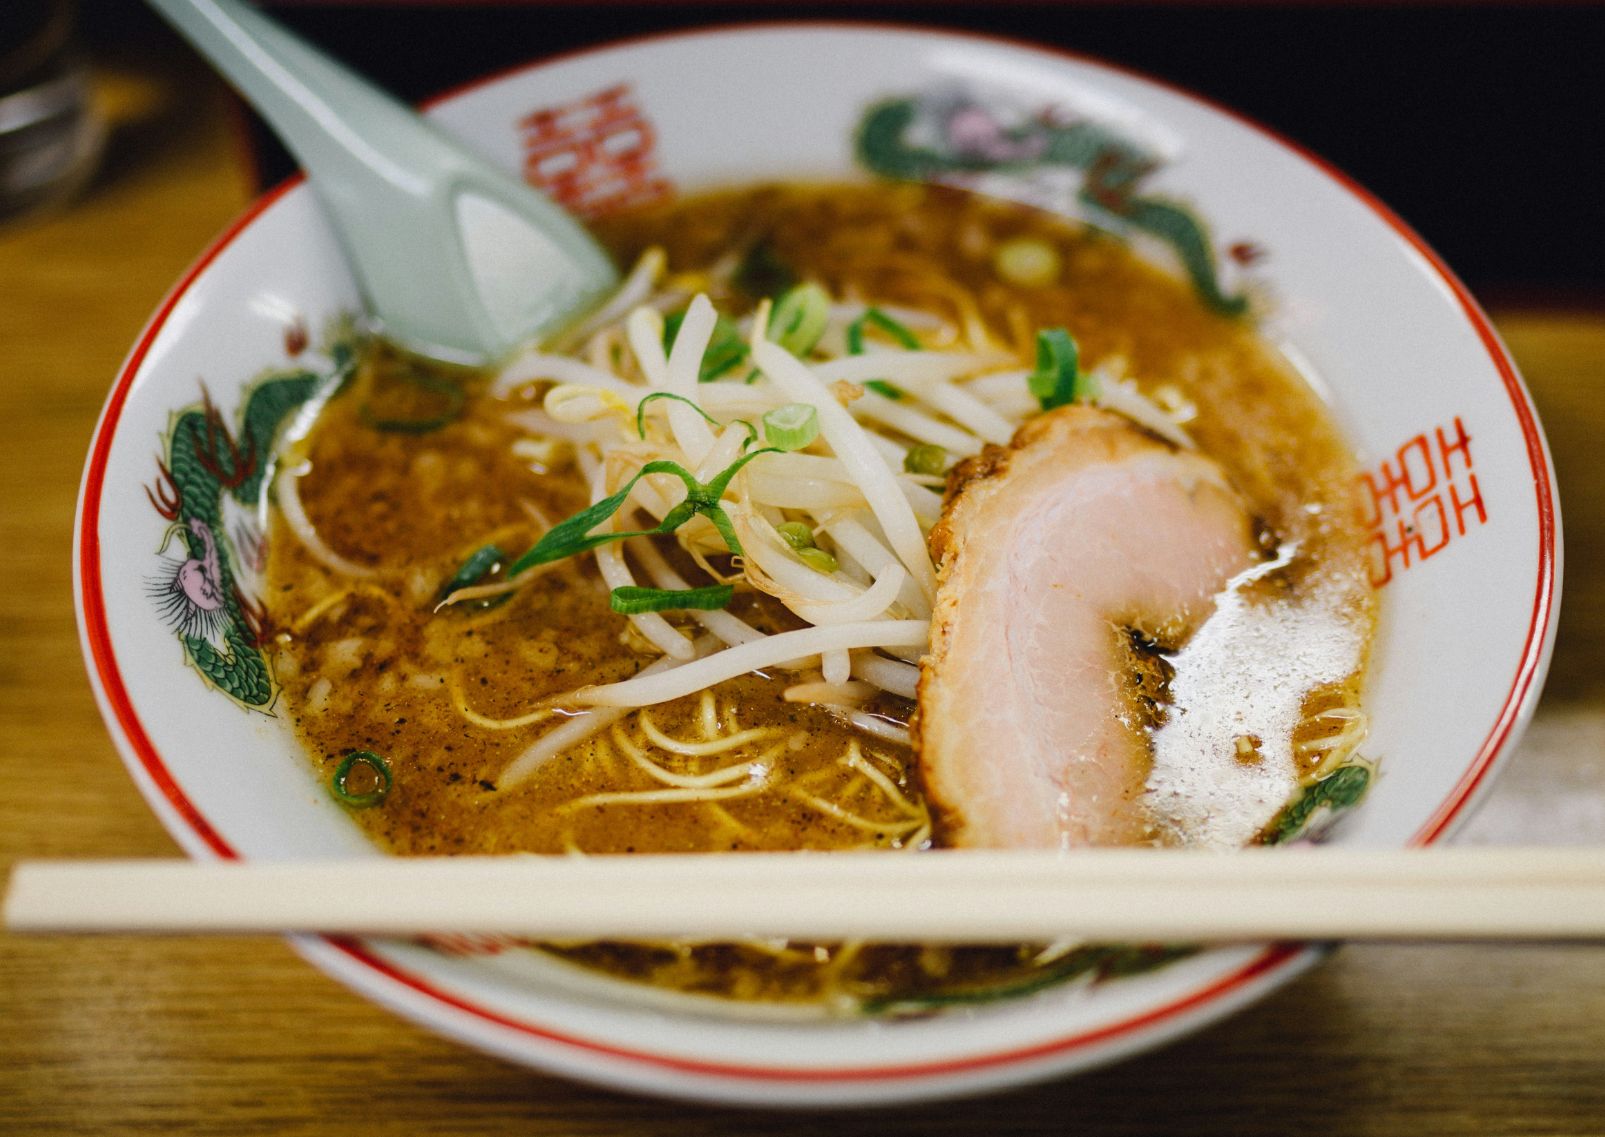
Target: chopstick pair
[(940, 897)]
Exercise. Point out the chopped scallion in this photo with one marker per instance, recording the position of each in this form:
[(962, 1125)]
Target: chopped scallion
[(633, 599), (640, 415), (791, 427), (926, 458), (818, 560), (875, 318), (1027, 261), (361, 780), (1058, 379), (796, 534), (799, 319), (574, 535), (480, 564)]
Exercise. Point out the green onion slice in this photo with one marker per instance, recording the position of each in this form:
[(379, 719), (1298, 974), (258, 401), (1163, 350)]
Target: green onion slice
[(632, 599), (361, 780), (1058, 379), (791, 427), (796, 534), (875, 318), (926, 458), (480, 564), (640, 416), (799, 318), (574, 535), (818, 560)]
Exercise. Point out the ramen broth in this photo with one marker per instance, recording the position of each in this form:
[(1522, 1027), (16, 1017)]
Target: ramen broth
[(451, 696)]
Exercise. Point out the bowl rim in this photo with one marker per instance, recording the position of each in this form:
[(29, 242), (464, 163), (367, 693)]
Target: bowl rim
[(398, 988)]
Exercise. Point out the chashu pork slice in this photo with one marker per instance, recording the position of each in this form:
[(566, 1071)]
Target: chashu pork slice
[(1050, 553)]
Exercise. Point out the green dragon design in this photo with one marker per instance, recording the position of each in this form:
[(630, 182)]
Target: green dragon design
[(204, 467), (967, 137)]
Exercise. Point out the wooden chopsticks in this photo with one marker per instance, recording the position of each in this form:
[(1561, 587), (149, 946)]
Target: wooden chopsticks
[(947, 896)]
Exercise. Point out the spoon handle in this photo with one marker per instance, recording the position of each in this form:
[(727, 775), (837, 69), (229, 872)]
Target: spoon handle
[(455, 256)]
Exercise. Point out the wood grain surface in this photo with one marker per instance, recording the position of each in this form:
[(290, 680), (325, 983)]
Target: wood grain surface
[(192, 1036)]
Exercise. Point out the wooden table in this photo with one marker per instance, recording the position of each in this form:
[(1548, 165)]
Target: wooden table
[(188, 1036)]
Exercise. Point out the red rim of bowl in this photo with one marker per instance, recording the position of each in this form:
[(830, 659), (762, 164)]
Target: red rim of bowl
[(102, 660)]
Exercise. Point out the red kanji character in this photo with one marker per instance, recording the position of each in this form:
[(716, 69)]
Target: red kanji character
[(1473, 502), (1461, 446)]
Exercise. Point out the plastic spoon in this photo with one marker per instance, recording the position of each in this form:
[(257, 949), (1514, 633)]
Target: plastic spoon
[(456, 259)]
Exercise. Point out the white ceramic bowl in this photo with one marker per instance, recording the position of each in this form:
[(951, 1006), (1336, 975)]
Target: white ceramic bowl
[(1467, 532)]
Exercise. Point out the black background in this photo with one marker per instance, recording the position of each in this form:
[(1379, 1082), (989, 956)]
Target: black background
[(1483, 125)]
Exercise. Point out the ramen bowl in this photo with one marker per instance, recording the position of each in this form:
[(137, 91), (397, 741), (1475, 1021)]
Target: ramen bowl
[(1456, 492)]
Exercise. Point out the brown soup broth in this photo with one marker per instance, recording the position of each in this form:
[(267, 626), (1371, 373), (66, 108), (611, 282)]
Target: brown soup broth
[(367, 662)]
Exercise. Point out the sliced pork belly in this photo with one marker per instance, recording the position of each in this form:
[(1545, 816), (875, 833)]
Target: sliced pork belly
[(1050, 554)]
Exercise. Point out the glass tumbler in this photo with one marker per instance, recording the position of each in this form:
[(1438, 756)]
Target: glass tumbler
[(50, 135)]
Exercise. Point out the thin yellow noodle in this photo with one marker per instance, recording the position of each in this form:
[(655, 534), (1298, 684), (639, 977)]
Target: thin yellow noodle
[(1353, 722), (660, 797), (751, 768), (702, 749), (895, 827), (1338, 747), (1021, 329), (884, 762), (854, 787), (973, 323), (899, 799), (915, 840), (816, 777), (840, 956), (605, 758), (322, 607), (461, 702), (727, 821)]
